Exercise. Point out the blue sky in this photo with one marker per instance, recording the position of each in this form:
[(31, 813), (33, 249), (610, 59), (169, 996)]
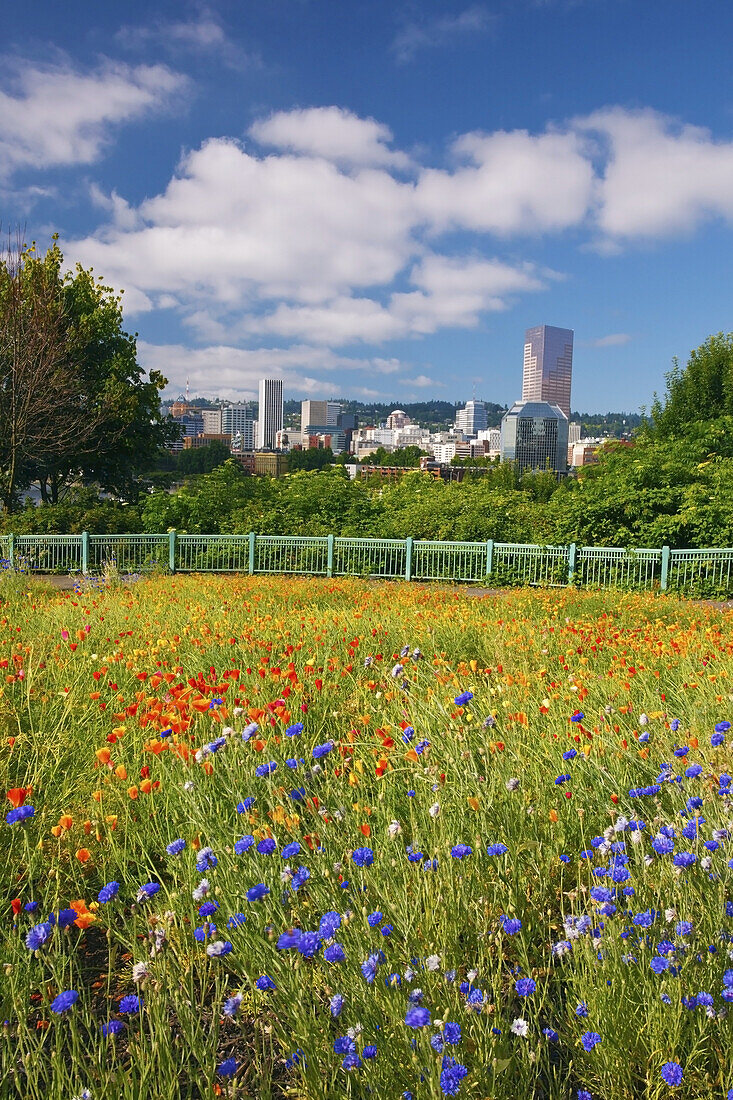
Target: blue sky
[(373, 199)]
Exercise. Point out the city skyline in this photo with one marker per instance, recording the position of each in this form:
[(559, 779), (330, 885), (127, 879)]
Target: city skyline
[(547, 372), (313, 193)]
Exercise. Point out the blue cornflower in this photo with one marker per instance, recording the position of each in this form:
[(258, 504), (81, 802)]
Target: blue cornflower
[(577, 717), (590, 1039), (264, 983), (130, 1005), (227, 1068), (583, 1094), (645, 919), (242, 845), (266, 846), (236, 920), (722, 727), (249, 731), (683, 859), (716, 740), (266, 769), (683, 928), (30, 906), (64, 918), (290, 850), (301, 876), (463, 698), (370, 1051), (417, 1016), (581, 1009), (308, 944), (322, 750), (452, 1033), (231, 1007), (289, 939), (334, 953), (565, 859), (369, 968), (205, 859), (204, 933), (672, 1073), (247, 804), (511, 925), (562, 779), (208, 908), (148, 890), (336, 1004), (175, 847), (374, 918), (458, 851), (64, 1001), (328, 924), (113, 1027), (525, 987), (496, 850), (659, 964), (692, 773), (294, 730), (20, 813), (255, 893), (551, 1034), (38, 935), (363, 857)]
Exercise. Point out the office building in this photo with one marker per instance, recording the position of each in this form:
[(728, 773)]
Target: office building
[(472, 419), (534, 436), (239, 420), (548, 366), (270, 416)]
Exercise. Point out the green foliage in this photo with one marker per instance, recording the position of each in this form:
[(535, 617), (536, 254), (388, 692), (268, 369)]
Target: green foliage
[(402, 456), (313, 458), (703, 390), (202, 460)]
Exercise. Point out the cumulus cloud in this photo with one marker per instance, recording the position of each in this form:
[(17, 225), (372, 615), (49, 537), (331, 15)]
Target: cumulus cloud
[(54, 115), (660, 177), (202, 34), (439, 31), (330, 132), (233, 373), (510, 182)]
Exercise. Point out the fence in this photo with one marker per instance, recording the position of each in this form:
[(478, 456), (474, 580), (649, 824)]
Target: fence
[(689, 572)]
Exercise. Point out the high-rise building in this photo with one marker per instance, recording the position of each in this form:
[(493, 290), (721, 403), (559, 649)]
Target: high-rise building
[(472, 419), (239, 420), (534, 436), (548, 366), (270, 416)]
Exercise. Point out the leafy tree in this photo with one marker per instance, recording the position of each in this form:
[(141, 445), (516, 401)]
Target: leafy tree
[(202, 460), (402, 456), (75, 402), (703, 390), (312, 458)]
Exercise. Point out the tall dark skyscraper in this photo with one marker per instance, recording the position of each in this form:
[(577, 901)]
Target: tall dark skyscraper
[(548, 366)]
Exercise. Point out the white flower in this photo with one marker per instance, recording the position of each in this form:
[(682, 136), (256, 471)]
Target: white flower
[(394, 828), (215, 949), (643, 719), (434, 809), (396, 671), (432, 962), (140, 972), (227, 731), (410, 973), (620, 824), (238, 712), (286, 874), (670, 915), (520, 1027), (472, 975), (201, 890), (636, 836), (512, 784), (355, 1031), (706, 863), (188, 785)]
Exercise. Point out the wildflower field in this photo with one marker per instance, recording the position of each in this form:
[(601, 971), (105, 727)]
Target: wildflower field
[(307, 838)]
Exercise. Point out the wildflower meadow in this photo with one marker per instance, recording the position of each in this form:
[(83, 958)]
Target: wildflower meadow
[(310, 838)]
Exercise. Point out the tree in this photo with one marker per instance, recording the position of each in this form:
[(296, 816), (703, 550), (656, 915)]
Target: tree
[(703, 390), (74, 403), (202, 460)]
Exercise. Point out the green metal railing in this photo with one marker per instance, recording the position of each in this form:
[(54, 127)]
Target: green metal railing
[(690, 572)]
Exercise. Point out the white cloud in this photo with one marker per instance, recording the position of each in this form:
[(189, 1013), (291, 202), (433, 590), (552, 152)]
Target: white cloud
[(661, 177), (613, 340), (204, 34), (332, 133), (53, 115), (430, 33), (515, 182), (422, 382), (233, 373)]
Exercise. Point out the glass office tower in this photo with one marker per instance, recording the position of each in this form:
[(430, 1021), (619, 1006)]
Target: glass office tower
[(548, 366)]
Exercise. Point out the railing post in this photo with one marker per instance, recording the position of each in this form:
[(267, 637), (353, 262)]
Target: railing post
[(489, 557), (572, 556), (85, 552), (329, 556), (172, 550), (408, 558), (252, 538), (11, 550), (664, 575)]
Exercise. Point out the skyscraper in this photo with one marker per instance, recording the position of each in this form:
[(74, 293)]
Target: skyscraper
[(270, 416), (472, 419), (548, 366)]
